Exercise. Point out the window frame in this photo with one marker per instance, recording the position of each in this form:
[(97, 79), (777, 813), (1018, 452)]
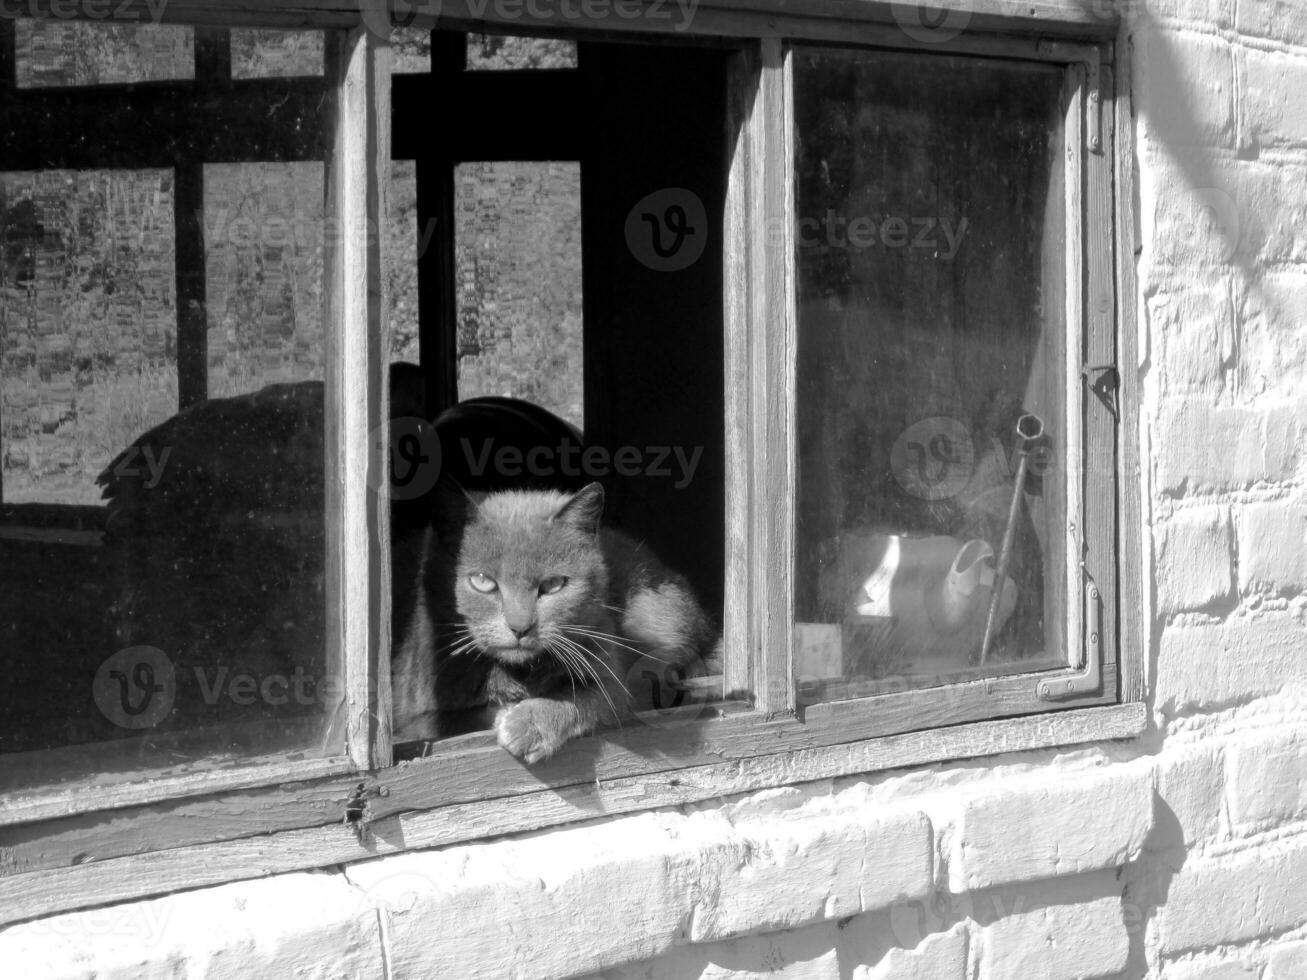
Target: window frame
[(64, 851)]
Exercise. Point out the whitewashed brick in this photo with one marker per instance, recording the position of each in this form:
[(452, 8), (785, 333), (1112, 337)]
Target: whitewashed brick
[(1288, 961), (1194, 329), (800, 954), (1070, 930), (1273, 546), (1211, 969), (1185, 87), (1190, 785), (1208, 13), (795, 871), (1235, 898), (1195, 560), (1271, 359), (1274, 113), (1276, 20), (1229, 213), (1026, 829), (939, 956), (1217, 665), (646, 884), (302, 925), (1204, 448), (1266, 779), (571, 901)]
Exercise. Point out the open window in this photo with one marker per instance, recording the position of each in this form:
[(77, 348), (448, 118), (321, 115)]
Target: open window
[(835, 312)]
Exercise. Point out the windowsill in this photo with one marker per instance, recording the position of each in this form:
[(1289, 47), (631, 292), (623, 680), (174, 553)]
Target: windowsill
[(416, 805)]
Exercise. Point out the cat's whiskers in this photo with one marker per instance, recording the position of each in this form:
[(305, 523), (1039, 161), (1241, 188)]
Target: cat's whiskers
[(572, 653), (610, 638), (592, 655)]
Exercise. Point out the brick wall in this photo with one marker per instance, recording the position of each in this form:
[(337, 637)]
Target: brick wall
[(1182, 856)]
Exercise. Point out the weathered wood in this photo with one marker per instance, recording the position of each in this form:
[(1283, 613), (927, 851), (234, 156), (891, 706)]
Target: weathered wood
[(722, 17), (1133, 564), (80, 798), (773, 408), (1075, 297), (474, 769), (28, 896), (1100, 460), (358, 609), (742, 269)]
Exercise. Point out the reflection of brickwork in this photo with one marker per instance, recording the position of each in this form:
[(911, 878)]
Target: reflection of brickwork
[(518, 255), (64, 52), (87, 325)]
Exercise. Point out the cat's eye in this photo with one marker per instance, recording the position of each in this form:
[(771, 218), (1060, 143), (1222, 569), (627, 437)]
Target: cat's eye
[(482, 583), (552, 584)]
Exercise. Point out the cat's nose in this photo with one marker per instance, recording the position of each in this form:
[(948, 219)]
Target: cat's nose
[(521, 631)]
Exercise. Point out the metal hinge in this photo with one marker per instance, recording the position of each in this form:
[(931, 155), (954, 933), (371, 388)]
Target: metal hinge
[(1089, 677)]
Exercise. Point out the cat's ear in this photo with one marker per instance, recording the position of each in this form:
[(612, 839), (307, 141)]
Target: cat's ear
[(584, 510)]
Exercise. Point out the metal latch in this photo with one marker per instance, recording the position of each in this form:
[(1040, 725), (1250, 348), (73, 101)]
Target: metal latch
[(1089, 677)]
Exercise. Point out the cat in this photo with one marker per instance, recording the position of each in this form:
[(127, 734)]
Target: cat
[(532, 611)]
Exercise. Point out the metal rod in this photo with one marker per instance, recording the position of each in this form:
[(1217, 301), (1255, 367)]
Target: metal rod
[(1029, 428)]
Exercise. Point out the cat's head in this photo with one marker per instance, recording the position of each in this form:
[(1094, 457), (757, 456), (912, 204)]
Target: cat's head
[(529, 568)]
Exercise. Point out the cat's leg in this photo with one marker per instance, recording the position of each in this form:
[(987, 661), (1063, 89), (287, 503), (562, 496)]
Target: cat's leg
[(536, 728)]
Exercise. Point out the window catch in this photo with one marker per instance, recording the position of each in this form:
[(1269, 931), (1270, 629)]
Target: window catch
[(1104, 381), (1089, 677)]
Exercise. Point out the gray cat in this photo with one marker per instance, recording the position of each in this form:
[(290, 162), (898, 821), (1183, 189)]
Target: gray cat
[(531, 611)]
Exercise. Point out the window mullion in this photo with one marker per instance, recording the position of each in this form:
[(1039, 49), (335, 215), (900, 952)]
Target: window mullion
[(358, 546), (773, 385)]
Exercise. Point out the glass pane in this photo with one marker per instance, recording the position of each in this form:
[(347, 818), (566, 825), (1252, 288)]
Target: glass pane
[(518, 258), (263, 263), (931, 497), (88, 328), (51, 52), (410, 50), (275, 54), (401, 246), (162, 603), (500, 52)]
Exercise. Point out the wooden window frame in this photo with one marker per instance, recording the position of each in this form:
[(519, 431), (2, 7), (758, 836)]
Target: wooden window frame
[(61, 851)]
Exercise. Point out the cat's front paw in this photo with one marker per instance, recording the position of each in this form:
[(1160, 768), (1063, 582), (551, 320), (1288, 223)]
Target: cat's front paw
[(533, 729)]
